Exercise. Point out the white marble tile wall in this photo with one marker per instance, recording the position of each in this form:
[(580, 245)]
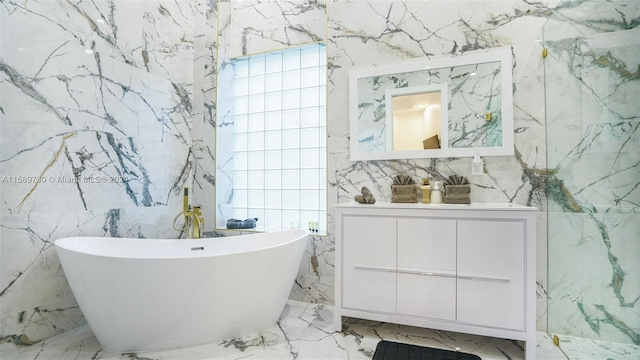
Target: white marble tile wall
[(593, 143), (204, 108), (96, 139), (132, 97)]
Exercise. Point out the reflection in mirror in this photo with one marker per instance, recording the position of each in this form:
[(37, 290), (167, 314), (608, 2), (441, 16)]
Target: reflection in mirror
[(476, 113), (416, 117), (475, 119)]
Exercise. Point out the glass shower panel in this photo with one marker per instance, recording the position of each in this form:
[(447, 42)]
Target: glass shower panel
[(592, 88)]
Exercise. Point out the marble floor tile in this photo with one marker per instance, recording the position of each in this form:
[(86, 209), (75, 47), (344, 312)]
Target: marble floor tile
[(305, 332)]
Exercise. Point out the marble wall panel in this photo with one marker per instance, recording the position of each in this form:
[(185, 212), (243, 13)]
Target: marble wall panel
[(205, 109), (95, 139), (256, 26), (36, 299), (593, 282), (593, 141)]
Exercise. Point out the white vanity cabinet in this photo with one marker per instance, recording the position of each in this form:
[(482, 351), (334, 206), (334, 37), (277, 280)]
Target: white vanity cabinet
[(464, 268), (426, 268), (490, 275), (373, 263)]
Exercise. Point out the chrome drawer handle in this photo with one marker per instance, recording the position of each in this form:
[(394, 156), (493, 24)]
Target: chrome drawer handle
[(371, 268), (412, 272), (430, 273), (427, 273), (465, 277)]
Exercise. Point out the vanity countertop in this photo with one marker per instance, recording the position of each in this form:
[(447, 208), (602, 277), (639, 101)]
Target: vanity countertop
[(472, 206)]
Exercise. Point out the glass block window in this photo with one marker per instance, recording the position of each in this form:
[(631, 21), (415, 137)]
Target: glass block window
[(278, 170)]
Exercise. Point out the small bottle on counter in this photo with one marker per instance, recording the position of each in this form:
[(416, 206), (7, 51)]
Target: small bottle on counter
[(426, 191), (436, 193)]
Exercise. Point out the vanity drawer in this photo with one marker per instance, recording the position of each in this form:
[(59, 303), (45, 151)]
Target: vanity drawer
[(427, 243), (369, 264), (427, 296), (491, 283)]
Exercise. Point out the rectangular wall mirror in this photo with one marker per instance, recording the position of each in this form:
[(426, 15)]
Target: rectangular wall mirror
[(431, 108)]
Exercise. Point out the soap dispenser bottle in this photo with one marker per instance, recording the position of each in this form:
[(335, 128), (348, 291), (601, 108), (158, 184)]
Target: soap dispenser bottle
[(436, 192)]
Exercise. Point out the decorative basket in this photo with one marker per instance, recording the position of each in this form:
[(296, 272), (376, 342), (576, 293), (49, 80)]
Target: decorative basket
[(457, 194), (404, 193)]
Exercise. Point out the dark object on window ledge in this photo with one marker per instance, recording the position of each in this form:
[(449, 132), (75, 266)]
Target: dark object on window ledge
[(242, 224)]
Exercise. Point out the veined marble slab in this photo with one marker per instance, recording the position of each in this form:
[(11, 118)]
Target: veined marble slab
[(95, 139), (594, 187)]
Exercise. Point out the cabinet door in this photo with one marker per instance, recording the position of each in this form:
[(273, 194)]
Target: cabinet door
[(427, 268), (369, 263), (491, 266)]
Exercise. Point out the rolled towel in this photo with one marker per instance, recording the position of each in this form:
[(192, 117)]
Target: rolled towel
[(240, 224), (366, 197), (456, 180), (403, 180), (249, 223), (234, 224)]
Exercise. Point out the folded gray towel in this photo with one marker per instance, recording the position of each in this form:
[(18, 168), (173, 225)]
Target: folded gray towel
[(240, 224)]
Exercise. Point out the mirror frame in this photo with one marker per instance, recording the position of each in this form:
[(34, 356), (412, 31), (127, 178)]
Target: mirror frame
[(502, 55)]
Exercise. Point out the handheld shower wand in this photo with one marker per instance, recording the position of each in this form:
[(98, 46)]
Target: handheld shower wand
[(185, 203), (186, 209)]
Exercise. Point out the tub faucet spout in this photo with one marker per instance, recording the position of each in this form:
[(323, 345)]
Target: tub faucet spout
[(198, 221), (192, 218)]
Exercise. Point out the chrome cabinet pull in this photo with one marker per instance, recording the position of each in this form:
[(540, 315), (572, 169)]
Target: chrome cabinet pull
[(426, 273), (372, 268), (466, 277), (412, 272), (430, 273)]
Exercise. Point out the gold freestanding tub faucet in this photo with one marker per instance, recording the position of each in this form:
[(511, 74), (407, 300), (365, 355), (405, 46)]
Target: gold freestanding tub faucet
[(198, 224), (192, 218)]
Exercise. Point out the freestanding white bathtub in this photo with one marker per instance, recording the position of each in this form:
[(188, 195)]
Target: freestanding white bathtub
[(143, 295)]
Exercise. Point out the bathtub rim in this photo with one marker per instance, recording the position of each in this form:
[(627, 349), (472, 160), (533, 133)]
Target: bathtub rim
[(172, 245)]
